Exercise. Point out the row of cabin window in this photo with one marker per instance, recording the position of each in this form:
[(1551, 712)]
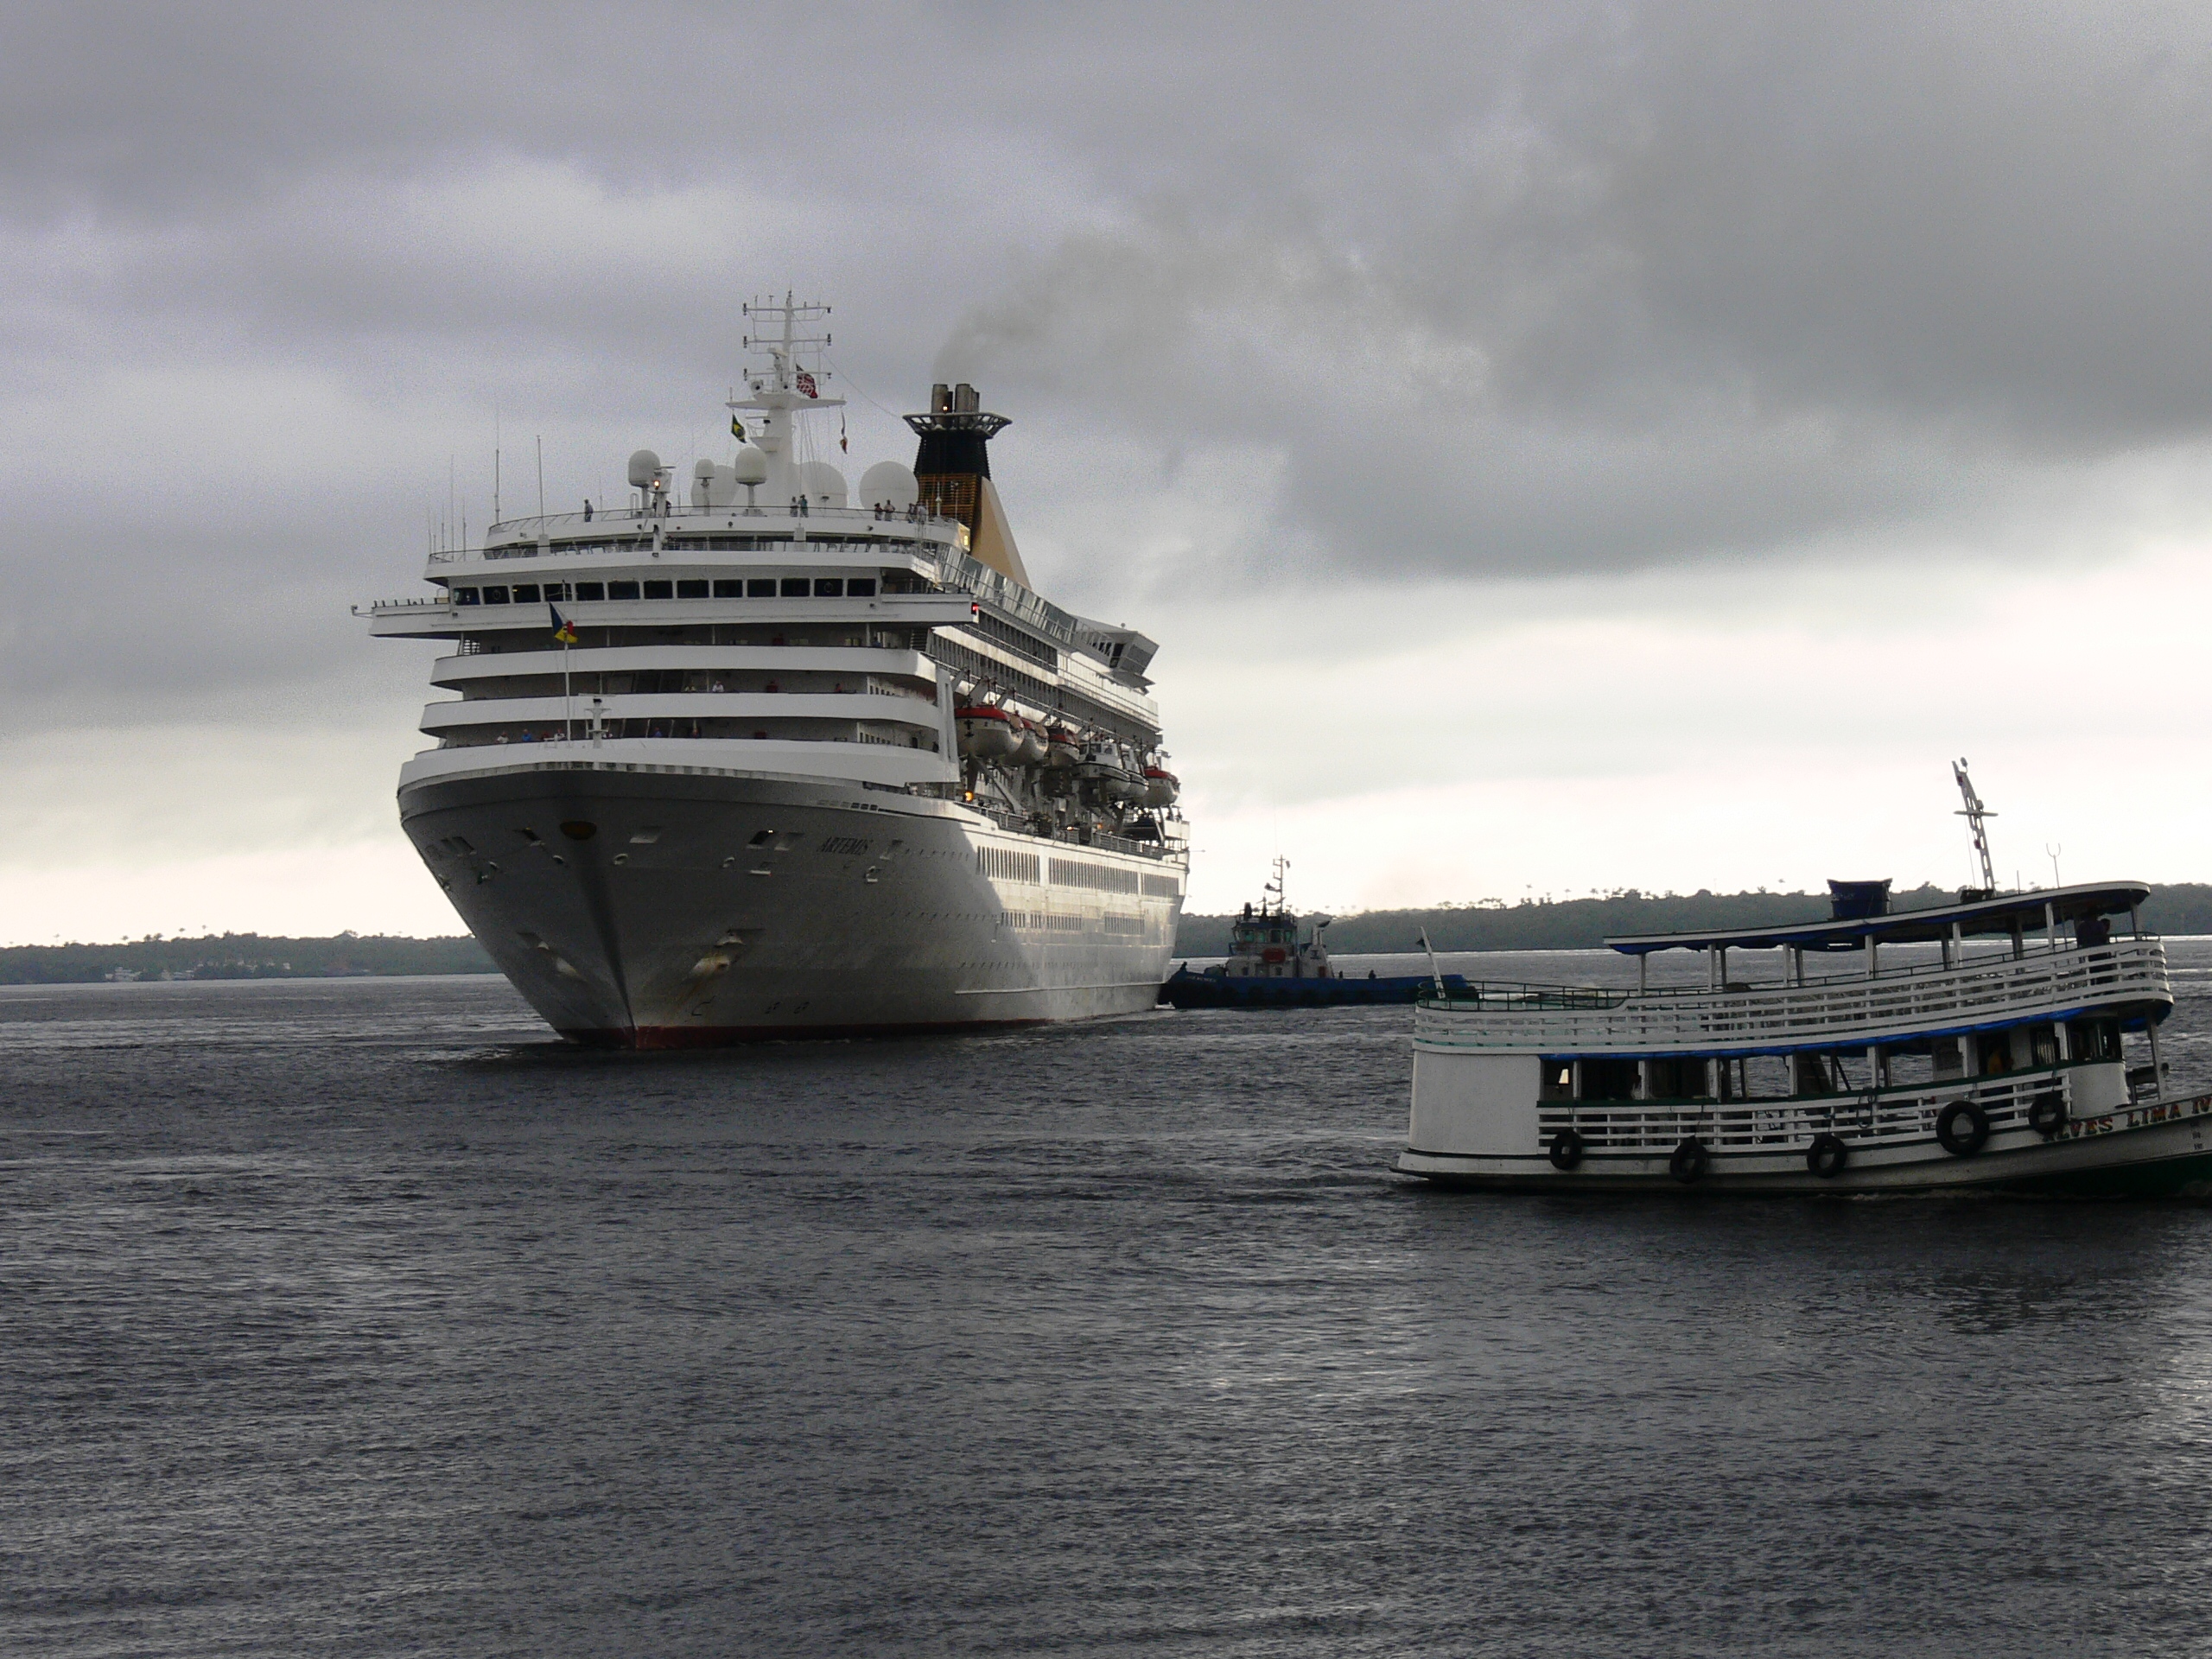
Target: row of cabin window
[(1924, 1061), (558, 593)]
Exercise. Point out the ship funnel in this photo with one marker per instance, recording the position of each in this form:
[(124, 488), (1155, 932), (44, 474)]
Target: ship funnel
[(952, 473)]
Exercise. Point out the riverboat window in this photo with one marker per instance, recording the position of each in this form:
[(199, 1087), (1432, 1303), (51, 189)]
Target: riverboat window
[(797, 587), (1558, 1081), (465, 596), (1677, 1079), (860, 588), (729, 588), (495, 595), (761, 587), (621, 590), (591, 590), (829, 587), (691, 590), (660, 590), (526, 595), (556, 591), (2093, 1039), (1608, 1079)]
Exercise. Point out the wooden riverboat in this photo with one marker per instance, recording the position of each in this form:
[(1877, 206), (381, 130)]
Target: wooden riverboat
[(2020, 1052)]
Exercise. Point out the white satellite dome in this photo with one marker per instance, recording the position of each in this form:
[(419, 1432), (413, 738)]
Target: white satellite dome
[(645, 467), (752, 465), (824, 484), (887, 481)]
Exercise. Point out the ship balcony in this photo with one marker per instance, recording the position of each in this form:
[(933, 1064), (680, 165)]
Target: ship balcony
[(439, 617), (899, 719), (2127, 976), (852, 664), (880, 765)]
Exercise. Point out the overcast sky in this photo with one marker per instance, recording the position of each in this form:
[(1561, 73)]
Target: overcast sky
[(1558, 446)]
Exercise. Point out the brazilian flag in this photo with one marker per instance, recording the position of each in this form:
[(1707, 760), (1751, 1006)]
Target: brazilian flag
[(737, 428)]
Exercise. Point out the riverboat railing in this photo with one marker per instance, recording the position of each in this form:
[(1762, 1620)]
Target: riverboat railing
[(1874, 1117), (1837, 1012)]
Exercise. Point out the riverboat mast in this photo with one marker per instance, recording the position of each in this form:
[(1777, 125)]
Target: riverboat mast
[(1974, 813)]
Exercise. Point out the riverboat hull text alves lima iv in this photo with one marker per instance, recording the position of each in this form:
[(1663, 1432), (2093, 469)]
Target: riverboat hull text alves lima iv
[(770, 762)]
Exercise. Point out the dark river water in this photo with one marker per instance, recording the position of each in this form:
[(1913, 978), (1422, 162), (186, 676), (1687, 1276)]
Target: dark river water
[(357, 1317)]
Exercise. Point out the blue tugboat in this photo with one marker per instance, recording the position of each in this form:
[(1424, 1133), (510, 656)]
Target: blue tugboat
[(1270, 967)]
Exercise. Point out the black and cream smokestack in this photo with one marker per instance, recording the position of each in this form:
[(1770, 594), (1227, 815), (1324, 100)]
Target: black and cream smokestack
[(956, 450), (952, 473)]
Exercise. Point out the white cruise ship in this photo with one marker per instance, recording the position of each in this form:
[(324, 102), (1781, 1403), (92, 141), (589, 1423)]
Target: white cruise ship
[(784, 758)]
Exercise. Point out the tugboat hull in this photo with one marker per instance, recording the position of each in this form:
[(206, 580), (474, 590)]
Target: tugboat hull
[(1188, 990)]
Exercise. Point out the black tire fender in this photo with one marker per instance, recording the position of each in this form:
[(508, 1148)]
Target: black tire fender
[(1963, 1128), (2047, 1113), (1828, 1155), (1565, 1149), (1690, 1161)]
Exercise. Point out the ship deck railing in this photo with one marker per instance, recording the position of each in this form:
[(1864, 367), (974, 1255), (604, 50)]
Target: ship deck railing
[(641, 521), (1823, 1012), (1906, 1112)]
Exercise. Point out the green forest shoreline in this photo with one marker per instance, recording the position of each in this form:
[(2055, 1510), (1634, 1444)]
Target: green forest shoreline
[(1568, 924)]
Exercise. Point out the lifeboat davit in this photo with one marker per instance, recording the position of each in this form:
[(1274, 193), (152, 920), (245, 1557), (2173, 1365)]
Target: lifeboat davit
[(986, 734), (1161, 787)]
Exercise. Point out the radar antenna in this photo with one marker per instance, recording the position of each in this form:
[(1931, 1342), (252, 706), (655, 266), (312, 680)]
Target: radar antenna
[(1974, 813)]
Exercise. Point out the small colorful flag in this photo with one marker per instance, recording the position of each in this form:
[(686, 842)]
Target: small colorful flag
[(564, 632), (806, 384), (841, 444), (737, 428)]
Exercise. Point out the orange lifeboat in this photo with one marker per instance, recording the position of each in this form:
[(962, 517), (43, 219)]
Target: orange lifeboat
[(986, 734), (1061, 750), (1161, 787)]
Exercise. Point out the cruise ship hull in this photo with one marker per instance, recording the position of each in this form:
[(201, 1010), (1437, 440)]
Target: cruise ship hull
[(651, 908)]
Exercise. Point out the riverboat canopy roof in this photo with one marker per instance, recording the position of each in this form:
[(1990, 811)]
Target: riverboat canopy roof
[(2003, 915)]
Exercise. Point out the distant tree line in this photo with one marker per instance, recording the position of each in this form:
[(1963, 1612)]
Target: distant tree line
[(238, 956), (1584, 924), (1533, 924)]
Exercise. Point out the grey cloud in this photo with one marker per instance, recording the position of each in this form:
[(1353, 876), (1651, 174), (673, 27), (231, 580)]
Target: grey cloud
[(1499, 289)]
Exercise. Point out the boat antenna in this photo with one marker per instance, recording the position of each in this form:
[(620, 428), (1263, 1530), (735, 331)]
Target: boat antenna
[(1282, 904), (1974, 813), (1435, 973)]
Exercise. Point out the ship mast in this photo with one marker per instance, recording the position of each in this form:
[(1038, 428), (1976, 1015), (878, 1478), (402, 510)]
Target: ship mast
[(1975, 812), (785, 387)]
